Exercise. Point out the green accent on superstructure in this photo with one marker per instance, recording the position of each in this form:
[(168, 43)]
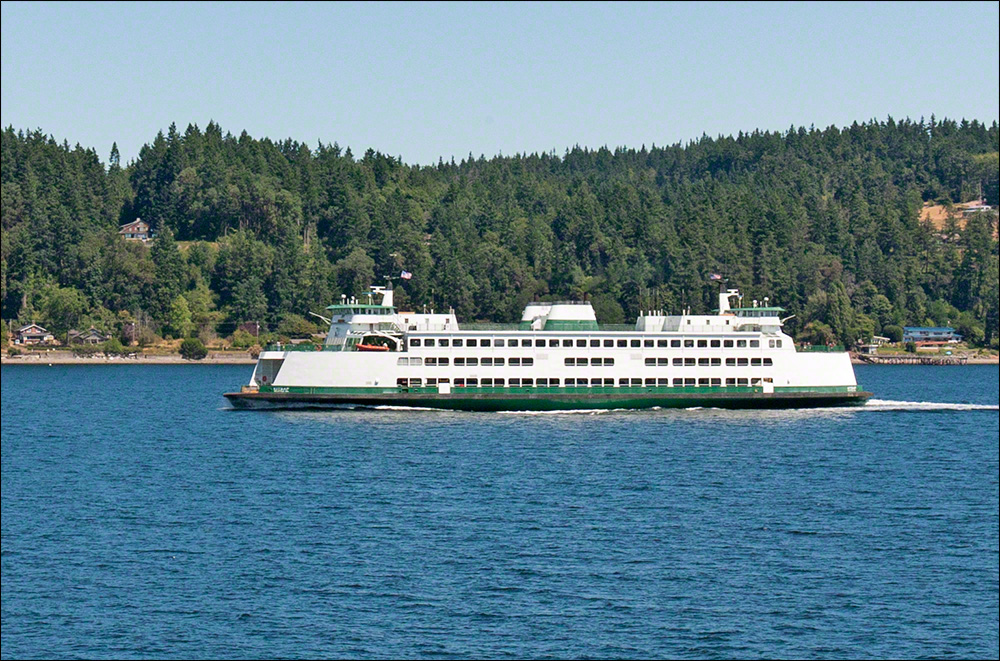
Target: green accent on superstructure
[(821, 348), (569, 325)]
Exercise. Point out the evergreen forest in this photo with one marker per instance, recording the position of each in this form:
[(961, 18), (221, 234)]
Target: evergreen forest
[(826, 223)]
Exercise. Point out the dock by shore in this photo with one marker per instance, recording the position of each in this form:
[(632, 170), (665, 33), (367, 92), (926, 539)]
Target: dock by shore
[(917, 359)]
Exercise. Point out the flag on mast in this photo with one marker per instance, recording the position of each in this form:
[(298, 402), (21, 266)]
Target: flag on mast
[(405, 275), (715, 276)]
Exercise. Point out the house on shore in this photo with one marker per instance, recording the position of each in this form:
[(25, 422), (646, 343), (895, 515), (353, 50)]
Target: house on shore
[(137, 230), (924, 336), (33, 334), (871, 348), (89, 336)]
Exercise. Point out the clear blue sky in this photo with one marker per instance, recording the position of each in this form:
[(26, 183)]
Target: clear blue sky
[(423, 81)]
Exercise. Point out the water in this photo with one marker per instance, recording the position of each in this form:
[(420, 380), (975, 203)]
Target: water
[(141, 517)]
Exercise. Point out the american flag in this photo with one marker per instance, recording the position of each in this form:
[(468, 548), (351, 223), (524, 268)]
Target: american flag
[(715, 276), (405, 275)]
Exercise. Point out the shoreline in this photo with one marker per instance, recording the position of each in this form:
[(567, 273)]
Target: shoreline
[(67, 358), (970, 360), (243, 358)]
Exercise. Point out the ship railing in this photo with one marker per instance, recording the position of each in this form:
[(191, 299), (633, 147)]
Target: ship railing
[(305, 346), (488, 326)]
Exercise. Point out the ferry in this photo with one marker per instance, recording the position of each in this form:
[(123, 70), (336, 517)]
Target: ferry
[(556, 358)]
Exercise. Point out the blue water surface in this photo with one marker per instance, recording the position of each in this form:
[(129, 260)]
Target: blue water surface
[(142, 517)]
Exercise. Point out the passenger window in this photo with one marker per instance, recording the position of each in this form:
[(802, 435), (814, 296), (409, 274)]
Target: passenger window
[(595, 343), (442, 342), (415, 342), (634, 344), (567, 343), (609, 343), (647, 343), (727, 344), (484, 343), (702, 344), (662, 343), (754, 343), (716, 344), (456, 343), (471, 343), (688, 343), (581, 343), (675, 343)]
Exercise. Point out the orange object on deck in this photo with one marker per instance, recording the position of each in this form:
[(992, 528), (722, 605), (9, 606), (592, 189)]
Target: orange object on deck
[(371, 347)]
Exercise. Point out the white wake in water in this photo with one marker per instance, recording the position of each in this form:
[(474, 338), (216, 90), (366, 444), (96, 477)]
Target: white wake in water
[(892, 405)]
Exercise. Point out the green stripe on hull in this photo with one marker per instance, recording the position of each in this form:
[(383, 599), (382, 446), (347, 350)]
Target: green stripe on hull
[(472, 400)]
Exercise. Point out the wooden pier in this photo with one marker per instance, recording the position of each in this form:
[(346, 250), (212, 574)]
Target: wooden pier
[(914, 360)]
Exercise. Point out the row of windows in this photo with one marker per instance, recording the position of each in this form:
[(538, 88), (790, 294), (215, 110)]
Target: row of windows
[(593, 362), (586, 362), (467, 361), (582, 383), (709, 362), (648, 343)]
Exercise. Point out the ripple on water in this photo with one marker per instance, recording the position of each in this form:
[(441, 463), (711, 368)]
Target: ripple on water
[(179, 528)]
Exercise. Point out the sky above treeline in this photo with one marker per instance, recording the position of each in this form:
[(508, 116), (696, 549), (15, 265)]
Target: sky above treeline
[(442, 80)]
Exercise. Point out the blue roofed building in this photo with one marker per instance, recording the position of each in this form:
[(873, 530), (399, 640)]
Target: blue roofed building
[(927, 335)]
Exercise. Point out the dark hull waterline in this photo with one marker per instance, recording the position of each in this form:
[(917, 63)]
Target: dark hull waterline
[(471, 401)]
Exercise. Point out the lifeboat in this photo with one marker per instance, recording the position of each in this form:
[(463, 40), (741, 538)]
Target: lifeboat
[(371, 347)]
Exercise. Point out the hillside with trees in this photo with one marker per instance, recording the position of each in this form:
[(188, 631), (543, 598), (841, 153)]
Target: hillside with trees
[(824, 222)]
